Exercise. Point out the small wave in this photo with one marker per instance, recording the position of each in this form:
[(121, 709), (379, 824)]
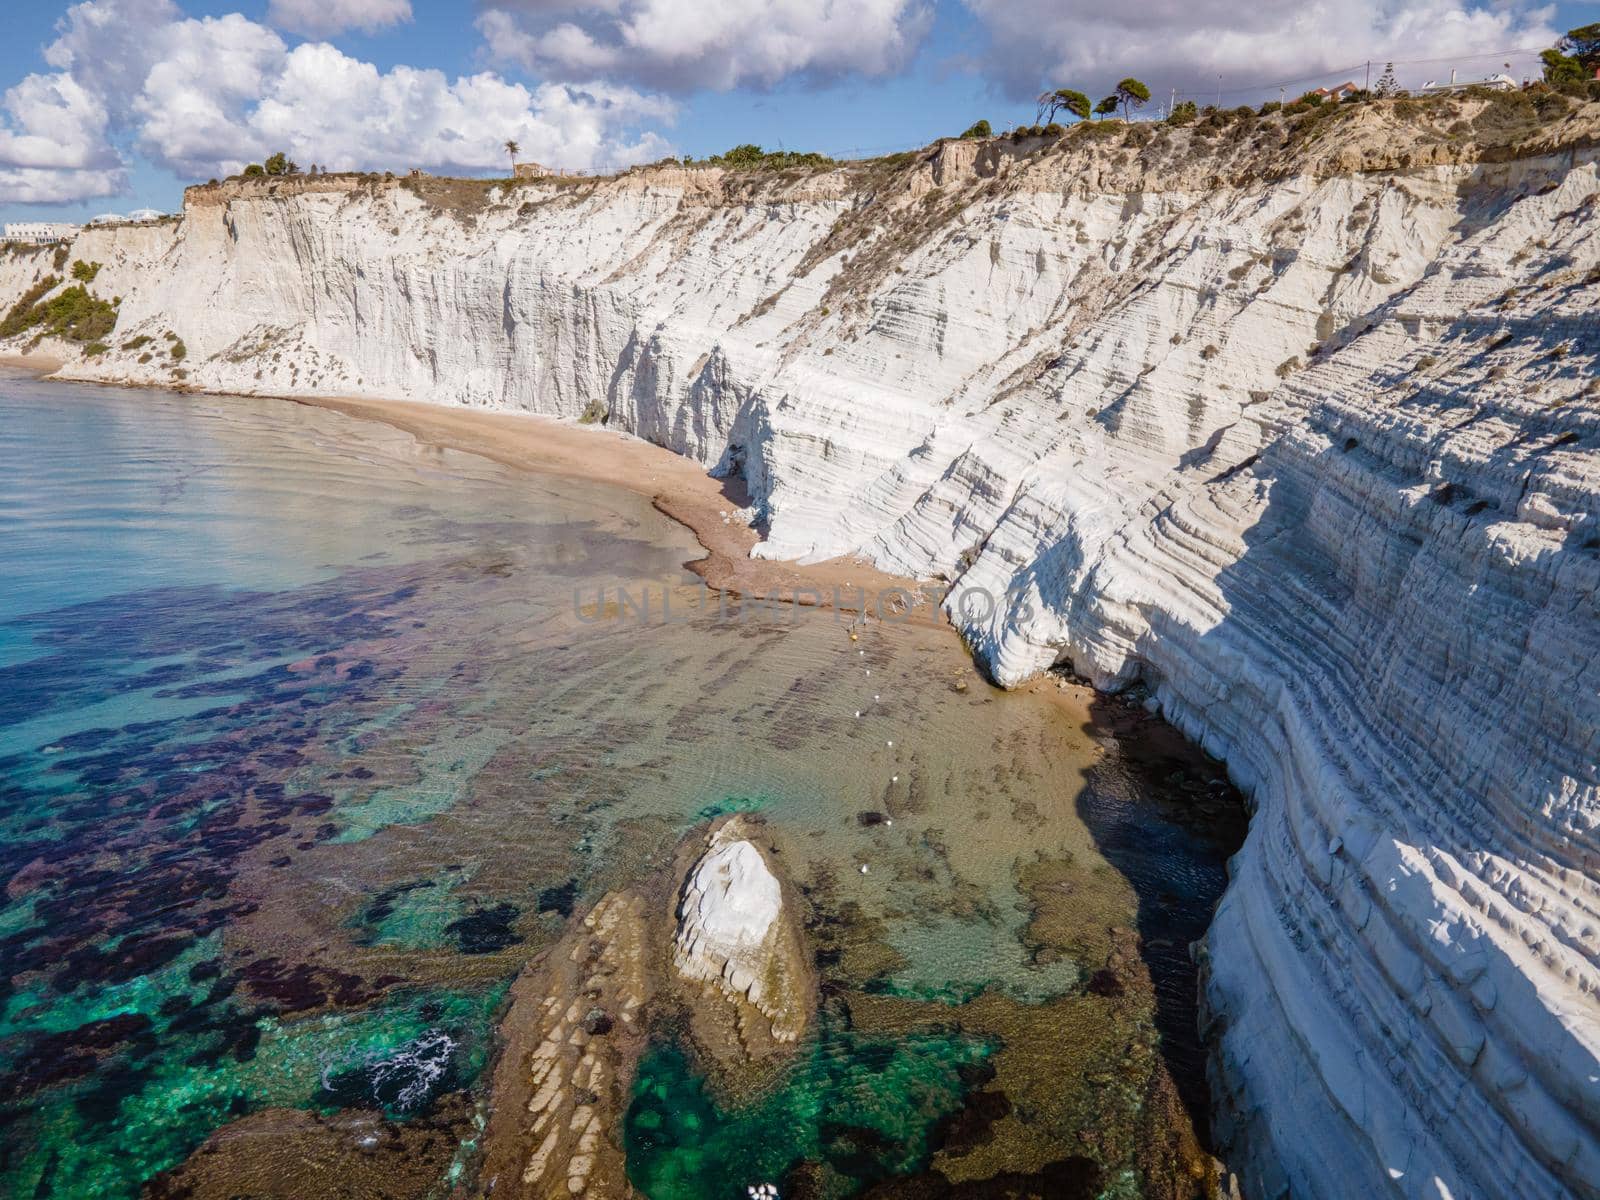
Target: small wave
[(404, 1080)]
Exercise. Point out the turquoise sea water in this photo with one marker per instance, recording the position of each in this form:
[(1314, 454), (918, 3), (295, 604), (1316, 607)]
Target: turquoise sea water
[(225, 642), (310, 738)]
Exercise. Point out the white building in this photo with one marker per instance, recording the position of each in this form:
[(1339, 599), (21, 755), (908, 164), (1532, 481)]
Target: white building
[(108, 219), (39, 233), (146, 214), (1498, 83)]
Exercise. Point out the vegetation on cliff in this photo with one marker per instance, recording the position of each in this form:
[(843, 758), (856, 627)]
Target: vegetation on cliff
[(73, 314), (750, 157)]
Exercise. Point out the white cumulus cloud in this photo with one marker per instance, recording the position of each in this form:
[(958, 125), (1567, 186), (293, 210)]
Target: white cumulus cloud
[(53, 143), (1173, 43), (205, 96), (327, 107), (324, 18), (682, 45)]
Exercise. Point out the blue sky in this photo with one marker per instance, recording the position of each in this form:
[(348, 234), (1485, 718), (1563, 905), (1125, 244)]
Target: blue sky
[(111, 105)]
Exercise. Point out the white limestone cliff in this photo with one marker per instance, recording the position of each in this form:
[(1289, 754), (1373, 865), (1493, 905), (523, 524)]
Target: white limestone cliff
[(1298, 433)]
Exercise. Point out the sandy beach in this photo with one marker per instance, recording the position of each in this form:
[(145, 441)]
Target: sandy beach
[(677, 486), (40, 364)]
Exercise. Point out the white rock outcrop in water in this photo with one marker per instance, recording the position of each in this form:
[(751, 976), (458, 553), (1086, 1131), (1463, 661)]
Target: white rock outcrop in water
[(732, 933), (1302, 437)]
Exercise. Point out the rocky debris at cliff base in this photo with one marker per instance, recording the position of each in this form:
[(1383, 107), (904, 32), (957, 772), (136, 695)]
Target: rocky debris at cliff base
[(734, 966)]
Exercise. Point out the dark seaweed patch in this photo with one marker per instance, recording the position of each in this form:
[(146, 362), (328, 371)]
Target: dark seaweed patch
[(486, 930), (559, 899)]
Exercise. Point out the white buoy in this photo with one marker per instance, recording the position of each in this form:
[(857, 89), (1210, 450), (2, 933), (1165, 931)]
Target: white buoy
[(895, 779), (863, 868), (891, 743), (888, 820), (858, 712)]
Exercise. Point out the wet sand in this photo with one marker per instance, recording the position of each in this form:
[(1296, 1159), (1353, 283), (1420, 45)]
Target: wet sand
[(677, 486)]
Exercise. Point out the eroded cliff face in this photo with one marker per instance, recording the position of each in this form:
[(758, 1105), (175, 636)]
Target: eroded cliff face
[(1299, 433)]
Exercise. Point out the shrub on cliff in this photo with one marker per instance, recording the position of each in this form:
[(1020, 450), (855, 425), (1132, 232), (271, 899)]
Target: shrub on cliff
[(1183, 113), (1513, 113), (280, 164), (19, 318), (750, 157), (1099, 129), (72, 314), (978, 129), (85, 272), (77, 316)]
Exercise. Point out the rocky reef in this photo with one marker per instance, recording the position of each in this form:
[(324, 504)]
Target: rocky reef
[(737, 978), (1293, 424)]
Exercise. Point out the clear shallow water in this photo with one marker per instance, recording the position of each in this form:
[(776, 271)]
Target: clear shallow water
[(310, 737)]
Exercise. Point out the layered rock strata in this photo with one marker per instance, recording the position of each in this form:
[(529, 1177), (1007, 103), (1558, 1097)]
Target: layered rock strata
[(1296, 427), (575, 1032)]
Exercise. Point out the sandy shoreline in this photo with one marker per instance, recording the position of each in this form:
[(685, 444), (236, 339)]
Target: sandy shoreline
[(678, 487), (675, 485), (40, 364)]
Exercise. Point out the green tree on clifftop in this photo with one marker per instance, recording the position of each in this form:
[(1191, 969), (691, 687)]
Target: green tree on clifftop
[(1132, 94), (1575, 57), (1062, 100)]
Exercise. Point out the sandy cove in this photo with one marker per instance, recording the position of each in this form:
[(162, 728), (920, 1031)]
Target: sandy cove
[(677, 486)]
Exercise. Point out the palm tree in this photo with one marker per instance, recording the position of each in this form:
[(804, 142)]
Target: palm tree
[(512, 150)]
